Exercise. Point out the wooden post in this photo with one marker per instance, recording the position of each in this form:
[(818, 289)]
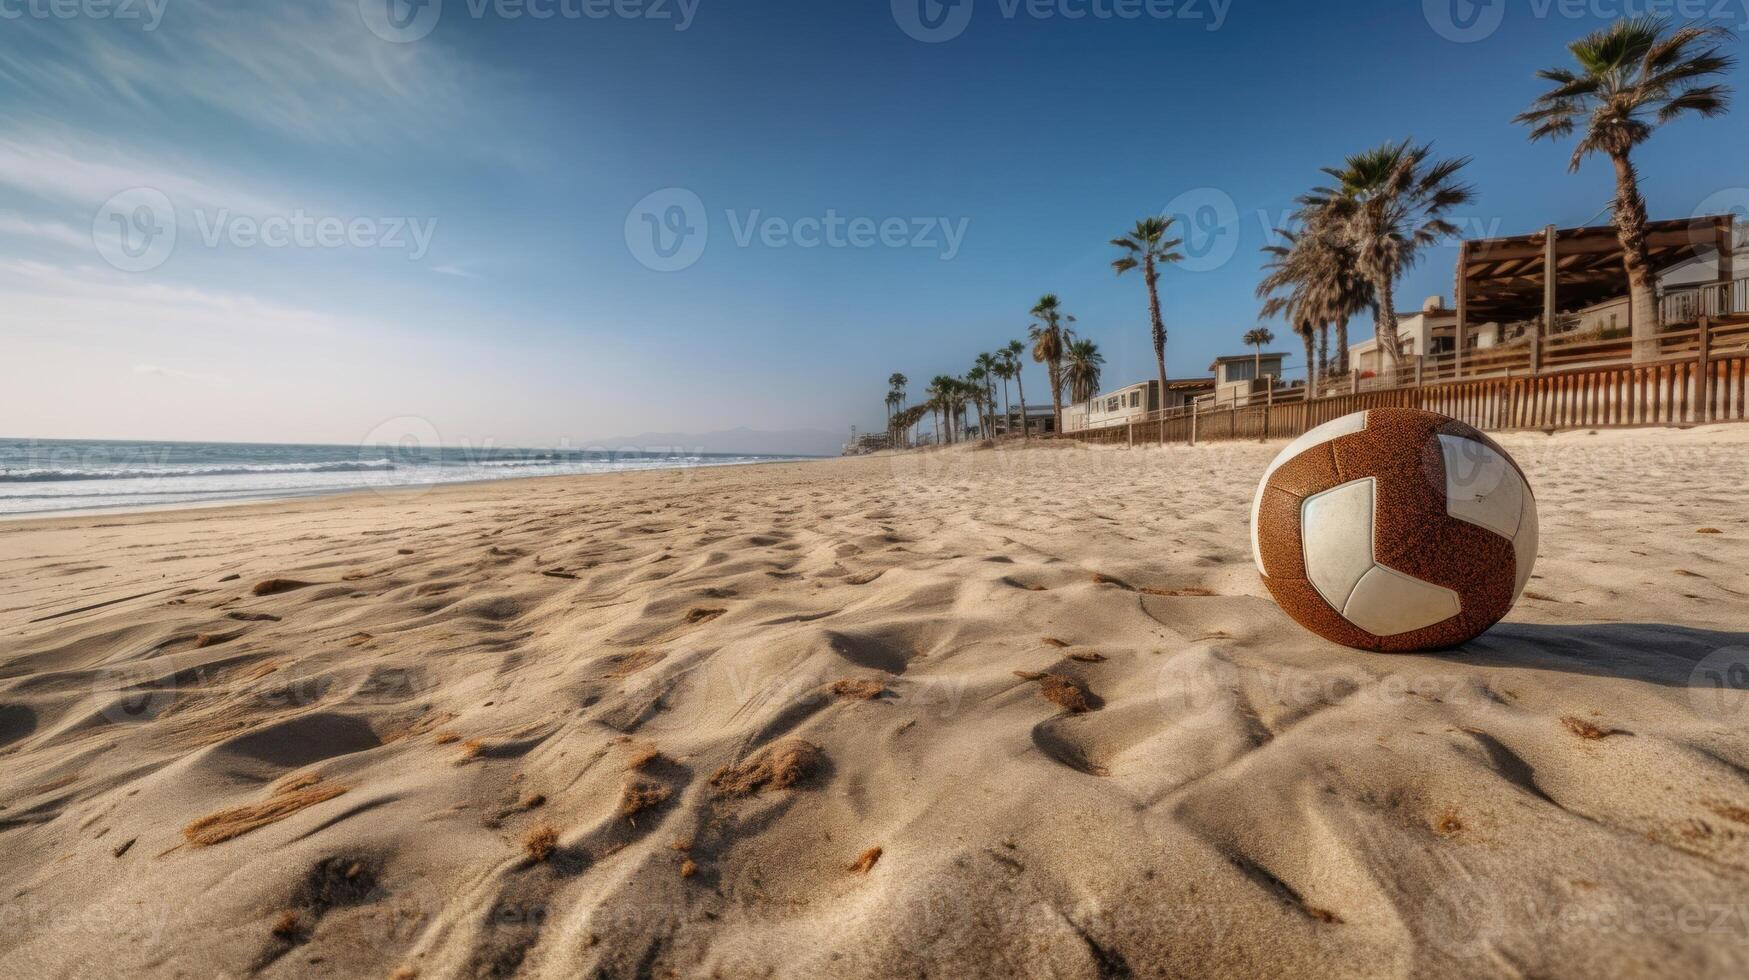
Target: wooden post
[(1463, 310), (1703, 386), (1268, 406), (1551, 298), (1726, 246), (1420, 370), (1193, 413)]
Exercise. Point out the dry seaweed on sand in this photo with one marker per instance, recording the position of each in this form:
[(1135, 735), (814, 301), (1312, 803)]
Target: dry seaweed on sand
[(290, 796), (780, 765)]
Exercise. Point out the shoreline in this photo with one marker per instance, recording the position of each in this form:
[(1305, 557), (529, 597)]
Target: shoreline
[(272, 497)]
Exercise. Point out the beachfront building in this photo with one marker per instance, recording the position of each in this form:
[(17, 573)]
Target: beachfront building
[(1429, 330), (1040, 419), (1568, 284), (1242, 378), (1133, 403), (1701, 287)]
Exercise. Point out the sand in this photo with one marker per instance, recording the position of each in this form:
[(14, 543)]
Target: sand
[(957, 714)]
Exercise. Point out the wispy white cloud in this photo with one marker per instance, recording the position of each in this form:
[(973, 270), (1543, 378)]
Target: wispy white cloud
[(454, 270), (97, 304), (53, 231), (310, 70), (86, 172), (172, 374)]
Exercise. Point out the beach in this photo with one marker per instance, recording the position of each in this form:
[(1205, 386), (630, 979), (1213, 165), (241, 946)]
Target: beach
[(959, 713)]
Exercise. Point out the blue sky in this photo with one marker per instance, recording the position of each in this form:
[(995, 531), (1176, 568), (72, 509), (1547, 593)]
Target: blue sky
[(455, 209)]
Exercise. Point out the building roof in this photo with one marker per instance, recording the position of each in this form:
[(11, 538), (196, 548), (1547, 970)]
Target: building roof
[(1235, 358), (1224, 358), (1502, 278)]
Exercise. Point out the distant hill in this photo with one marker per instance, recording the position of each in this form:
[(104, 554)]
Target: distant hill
[(751, 442)]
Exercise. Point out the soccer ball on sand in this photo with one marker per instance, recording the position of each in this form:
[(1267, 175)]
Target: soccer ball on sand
[(1394, 529)]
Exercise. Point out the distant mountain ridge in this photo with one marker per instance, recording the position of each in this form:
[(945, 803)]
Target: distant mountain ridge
[(743, 441)]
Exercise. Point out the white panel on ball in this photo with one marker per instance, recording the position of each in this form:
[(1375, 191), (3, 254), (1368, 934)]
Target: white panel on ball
[(1524, 544), (1336, 538), (1387, 602), (1332, 430), (1481, 487)]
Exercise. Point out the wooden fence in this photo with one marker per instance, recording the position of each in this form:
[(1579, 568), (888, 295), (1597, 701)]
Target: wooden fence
[(1702, 378)]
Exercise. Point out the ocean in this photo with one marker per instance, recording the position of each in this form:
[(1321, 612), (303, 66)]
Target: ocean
[(45, 476)]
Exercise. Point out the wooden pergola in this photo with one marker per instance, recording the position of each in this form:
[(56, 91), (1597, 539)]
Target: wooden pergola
[(1536, 277)]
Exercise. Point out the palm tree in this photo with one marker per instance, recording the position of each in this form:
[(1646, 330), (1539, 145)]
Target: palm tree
[(1388, 204), (1006, 370), (1632, 77), (1049, 341), (939, 399), (1314, 277), (1258, 338), (1149, 248), (1084, 362), (987, 363), (1012, 354), (977, 390), (898, 383), (1314, 369), (907, 418)]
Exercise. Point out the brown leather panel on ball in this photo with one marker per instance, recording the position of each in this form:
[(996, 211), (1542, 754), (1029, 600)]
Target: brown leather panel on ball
[(1312, 471), (1278, 534)]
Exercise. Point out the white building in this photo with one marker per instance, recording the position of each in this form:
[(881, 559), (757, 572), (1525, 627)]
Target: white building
[(1240, 378), (1133, 403)]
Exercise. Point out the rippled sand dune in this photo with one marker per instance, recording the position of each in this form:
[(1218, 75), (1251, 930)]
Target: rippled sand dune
[(956, 714)]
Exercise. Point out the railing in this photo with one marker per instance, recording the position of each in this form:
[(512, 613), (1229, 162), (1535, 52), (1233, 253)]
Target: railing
[(1709, 300), (1701, 375)]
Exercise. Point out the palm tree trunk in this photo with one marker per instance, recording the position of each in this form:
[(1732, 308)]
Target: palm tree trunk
[(1323, 350), (1630, 230), (1007, 409), (1025, 429), (1385, 325), (1342, 345), (1311, 363), (1153, 278), (1056, 367)]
